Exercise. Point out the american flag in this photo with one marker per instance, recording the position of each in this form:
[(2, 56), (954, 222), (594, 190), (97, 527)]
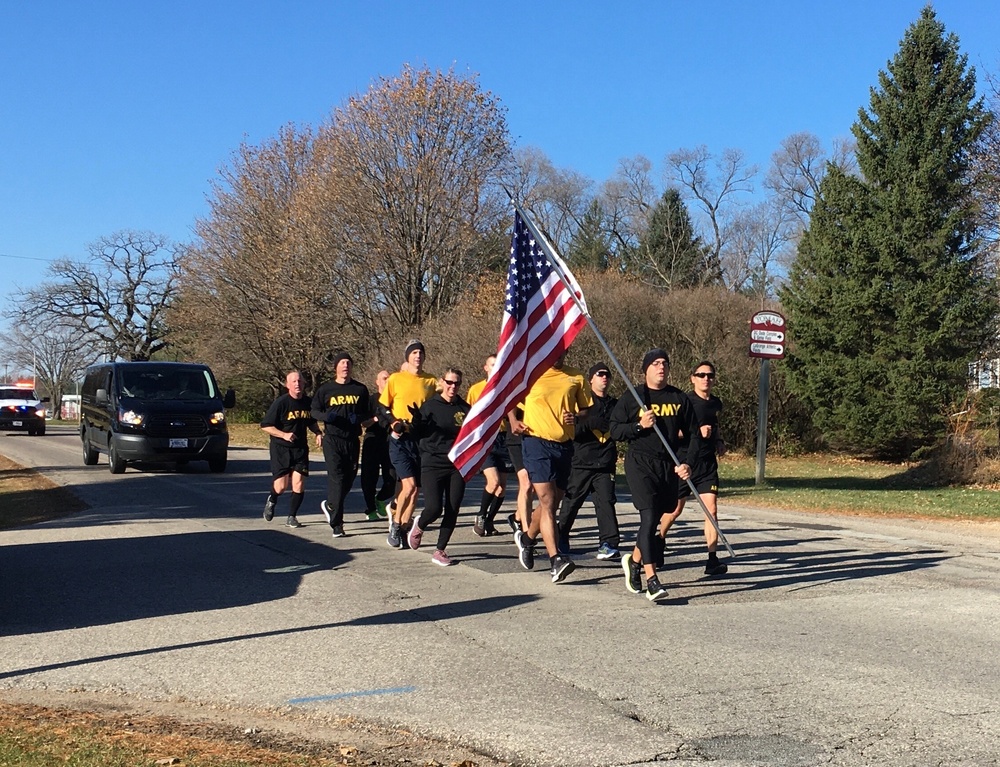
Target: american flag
[(540, 321)]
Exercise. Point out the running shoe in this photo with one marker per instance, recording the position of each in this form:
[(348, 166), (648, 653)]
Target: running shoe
[(515, 526), (404, 537), (561, 568), (633, 574), (607, 551), (393, 538), (714, 567), (380, 508), (292, 522), (525, 550), (372, 516), (338, 531), (441, 558), (655, 592), (325, 508), (414, 536), (269, 508), (479, 526)]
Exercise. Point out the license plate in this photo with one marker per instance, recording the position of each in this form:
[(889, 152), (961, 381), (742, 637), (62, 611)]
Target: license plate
[(18, 423), (178, 443)]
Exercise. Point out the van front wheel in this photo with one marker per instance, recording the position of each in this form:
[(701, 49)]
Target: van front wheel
[(89, 454), (115, 462)]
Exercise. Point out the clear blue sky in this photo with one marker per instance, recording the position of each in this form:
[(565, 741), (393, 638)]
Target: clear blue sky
[(116, 115)]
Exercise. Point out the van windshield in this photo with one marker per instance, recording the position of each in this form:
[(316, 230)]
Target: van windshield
[(154, 383)]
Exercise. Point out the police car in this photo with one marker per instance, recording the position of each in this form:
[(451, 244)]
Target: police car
[(21, 410)]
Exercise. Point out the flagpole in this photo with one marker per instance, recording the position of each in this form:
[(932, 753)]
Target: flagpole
[(558, 268)]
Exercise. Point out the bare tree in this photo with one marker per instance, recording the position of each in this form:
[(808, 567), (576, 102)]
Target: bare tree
[(629, 198), (57, 356), (985, 167), (714, 184), (798, 167), (556, 198), (759, 248), (117, 299)]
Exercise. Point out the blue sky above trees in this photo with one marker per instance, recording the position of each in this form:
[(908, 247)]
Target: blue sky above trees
[(117, 115)]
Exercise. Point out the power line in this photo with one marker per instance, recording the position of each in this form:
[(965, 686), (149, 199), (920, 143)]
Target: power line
[(27, 258)]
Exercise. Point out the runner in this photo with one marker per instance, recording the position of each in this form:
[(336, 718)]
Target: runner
[(652, 475), (403, 395), (495, 469), (375, 461), (551, 409), (704, 461), (344, 408), (287, 421), (435, 425)]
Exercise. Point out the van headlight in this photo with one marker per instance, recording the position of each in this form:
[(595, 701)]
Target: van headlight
[(130, 417), (40, 412), (216, 418)]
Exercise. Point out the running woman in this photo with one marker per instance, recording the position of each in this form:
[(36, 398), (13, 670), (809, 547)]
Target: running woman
[(435, 426)]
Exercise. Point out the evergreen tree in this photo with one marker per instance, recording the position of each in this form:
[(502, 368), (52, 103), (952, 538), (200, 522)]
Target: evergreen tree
[(888, 299), (670, 255), (590, 246)]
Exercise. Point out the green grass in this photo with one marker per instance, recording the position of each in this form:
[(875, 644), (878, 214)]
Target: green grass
[(862, 487)]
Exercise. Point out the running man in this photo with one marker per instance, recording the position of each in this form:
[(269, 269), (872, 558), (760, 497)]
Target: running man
[(551, 408), (496, 467), (375, 461), (403, 395), (704, 461), (651, 473), (344, 408), (287, 421), (595, 458)]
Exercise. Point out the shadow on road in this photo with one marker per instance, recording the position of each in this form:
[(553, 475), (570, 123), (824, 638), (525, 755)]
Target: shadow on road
[(74, 584), (428, 614)]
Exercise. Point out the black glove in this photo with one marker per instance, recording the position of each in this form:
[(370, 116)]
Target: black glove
[(398, 427)]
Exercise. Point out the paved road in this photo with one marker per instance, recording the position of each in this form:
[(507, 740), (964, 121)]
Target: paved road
[(833, 640)]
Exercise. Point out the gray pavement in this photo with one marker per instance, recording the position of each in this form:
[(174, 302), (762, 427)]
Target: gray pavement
[(833, 640)]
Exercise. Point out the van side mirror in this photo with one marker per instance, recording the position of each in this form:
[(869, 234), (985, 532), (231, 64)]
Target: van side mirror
[(101, 397), (45, 399), (230, 399)]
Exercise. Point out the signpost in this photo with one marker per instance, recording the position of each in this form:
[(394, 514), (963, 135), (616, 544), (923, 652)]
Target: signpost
[(767, 341)]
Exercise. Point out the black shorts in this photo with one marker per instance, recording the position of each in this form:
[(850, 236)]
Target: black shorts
[(288, 458), (652, 481), (547, 461), (499, 456), (514, 451), (405, 457), (705, 482)]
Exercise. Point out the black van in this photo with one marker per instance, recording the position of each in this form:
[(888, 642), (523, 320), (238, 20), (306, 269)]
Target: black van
[(153, 411)]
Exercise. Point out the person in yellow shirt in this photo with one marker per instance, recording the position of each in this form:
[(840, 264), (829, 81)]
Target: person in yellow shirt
[(403, 395), (496, 467), (551, 409)]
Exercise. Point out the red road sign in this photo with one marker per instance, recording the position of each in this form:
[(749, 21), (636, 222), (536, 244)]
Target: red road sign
[(767, 335)]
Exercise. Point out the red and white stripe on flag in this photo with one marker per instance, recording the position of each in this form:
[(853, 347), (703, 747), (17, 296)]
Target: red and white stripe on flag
[(540, 321)]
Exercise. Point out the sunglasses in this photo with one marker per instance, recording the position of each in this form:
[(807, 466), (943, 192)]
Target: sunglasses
[(602, 373), (709, 376), (446, 382)]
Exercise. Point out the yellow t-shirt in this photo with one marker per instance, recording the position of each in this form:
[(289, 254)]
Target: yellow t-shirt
[(475, 392), (554, 392), (404, 389)]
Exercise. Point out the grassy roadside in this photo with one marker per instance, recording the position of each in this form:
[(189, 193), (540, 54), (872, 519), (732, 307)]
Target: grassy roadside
[(33, 736), (26, 497), (825, 483)]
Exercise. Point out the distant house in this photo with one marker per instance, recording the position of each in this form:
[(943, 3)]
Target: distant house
[(984, 374)]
